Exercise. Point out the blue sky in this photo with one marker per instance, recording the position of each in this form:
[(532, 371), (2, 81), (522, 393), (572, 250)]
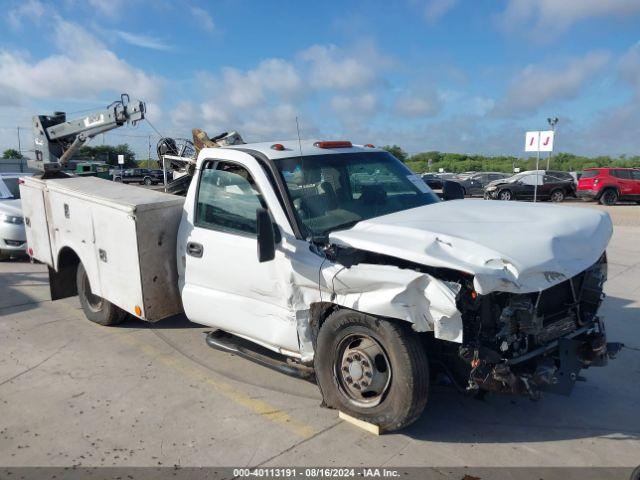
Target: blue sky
[(450, 75)]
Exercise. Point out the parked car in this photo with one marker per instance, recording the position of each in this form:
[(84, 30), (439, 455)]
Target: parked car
[(139, 175), (13, 240), (608, 185), (475, 183), (431, 179), (92, 169), (522, 187)]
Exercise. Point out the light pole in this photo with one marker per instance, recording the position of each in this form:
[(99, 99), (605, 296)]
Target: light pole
[(553, 121)]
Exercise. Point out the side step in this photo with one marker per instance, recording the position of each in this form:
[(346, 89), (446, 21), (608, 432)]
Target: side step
[(225, 342)]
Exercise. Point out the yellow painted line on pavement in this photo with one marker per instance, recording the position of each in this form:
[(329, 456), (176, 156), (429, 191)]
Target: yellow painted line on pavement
[(265, 410)]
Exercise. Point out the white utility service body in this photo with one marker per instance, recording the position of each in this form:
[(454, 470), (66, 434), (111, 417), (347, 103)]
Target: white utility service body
[(360, 253), (124, 236)]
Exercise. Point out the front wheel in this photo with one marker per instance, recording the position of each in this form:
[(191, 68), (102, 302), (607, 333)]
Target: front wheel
[(505, 195), (96, 308), (372, 369), (557, 196), (147, 181)]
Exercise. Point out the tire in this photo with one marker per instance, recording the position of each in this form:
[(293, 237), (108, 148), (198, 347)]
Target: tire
[(557, 196), (609, 197), (391, 365), (147, 181), (505, 195), (4, 256), (117, 179), (96, 308)]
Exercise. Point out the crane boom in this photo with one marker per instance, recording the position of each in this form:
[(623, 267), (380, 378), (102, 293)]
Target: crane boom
[(57, 139)]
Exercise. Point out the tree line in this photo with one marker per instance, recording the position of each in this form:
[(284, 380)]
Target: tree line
[(419, 163), (460, 162)]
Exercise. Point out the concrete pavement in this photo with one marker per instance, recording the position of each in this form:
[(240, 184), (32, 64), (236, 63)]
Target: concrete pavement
[(75, 393)]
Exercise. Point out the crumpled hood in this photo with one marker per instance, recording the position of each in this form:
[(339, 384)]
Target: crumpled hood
[(508, 246), (11, 207)]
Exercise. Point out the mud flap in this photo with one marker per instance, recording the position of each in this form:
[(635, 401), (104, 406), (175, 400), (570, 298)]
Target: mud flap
[(570, 365)]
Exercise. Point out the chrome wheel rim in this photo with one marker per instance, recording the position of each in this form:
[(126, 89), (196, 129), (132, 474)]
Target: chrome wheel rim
[(363, 371), (557, 197), (505, 195)]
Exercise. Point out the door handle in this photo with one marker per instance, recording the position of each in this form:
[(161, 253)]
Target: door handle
[(194, 249)]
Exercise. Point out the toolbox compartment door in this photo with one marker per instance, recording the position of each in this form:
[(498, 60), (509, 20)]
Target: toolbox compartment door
[(35, 210)]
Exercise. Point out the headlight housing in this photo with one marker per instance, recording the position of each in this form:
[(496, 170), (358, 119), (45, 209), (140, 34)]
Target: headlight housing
[(6, 218), (491, 188)]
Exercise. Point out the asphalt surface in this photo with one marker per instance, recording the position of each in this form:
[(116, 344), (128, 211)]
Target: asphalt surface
[(75, 393)]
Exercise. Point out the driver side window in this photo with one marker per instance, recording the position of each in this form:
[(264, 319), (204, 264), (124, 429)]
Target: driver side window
[(227, 199)]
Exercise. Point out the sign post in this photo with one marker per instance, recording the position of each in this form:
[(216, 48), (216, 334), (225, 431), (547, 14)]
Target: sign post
[(538, 141), (121, 161)]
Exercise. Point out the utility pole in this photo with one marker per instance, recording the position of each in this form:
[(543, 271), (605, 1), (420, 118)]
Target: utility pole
[(20, 151), (553, 121), (149, 154)]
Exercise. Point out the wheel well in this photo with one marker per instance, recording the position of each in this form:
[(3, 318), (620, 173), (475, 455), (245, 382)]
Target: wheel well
[(63, 280), (318, 313)]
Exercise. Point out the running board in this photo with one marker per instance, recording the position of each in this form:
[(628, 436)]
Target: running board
[(226, 342)]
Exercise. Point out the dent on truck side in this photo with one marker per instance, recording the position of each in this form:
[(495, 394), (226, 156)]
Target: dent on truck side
[(426, 302)]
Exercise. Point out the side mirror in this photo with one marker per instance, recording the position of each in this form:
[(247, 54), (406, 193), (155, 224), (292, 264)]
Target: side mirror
[(452, 190), (266, 237)]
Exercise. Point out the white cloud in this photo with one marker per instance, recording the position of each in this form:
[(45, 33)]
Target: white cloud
[(536, 85), (418, 103), (84, 68), (360, 104), (143, 41), (32, 10), (434, 10), (203, 18), (550, 17), (246, 89), (110, 8), (331, 67)]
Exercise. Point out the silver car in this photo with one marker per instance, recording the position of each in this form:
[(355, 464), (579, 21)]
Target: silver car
[(13, 240)]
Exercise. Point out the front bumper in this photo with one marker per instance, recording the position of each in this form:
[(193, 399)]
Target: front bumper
[(491, 194), (552, 368), (13, 238)]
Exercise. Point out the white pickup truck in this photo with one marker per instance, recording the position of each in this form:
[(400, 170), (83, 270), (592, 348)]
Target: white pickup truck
[(337, 259)]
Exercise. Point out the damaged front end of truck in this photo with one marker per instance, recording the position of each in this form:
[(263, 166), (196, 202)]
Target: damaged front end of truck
[(510, 343), (527, 343)]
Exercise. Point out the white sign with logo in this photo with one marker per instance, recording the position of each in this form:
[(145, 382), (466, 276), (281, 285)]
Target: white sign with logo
[(120, 159), (539, 141)]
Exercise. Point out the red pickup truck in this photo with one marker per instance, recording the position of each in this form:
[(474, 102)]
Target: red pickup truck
[(608, 185)]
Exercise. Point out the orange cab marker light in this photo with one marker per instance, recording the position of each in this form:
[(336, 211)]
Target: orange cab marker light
[(333, 144), (369, 145), (277, 146), (138, 310)]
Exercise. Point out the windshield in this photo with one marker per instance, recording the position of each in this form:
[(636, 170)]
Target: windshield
[(333, 192), (12, 186)]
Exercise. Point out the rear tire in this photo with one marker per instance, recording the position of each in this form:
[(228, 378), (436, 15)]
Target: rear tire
[(96, 308), (609, 197), (372, 369), (557, 196), (117, 179)]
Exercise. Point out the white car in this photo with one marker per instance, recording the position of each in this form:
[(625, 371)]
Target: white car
[(13, 240)]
